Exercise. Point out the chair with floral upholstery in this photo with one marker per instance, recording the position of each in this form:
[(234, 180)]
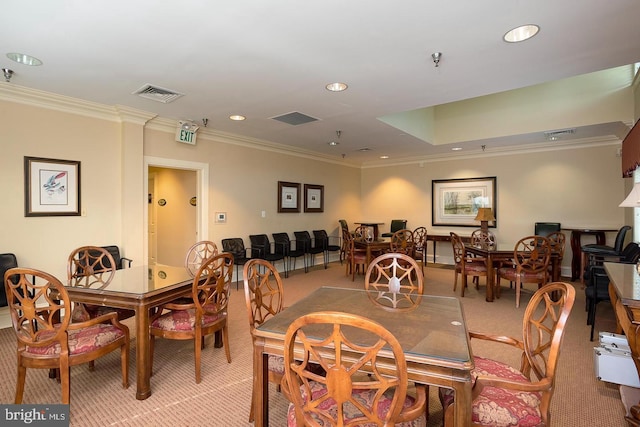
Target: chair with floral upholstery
[(420, 248), (264, 295), (503, 395), (395, 281), (354, 258), (204, 315), (197, 254), (465, 264), (49, 339), (344, 394)]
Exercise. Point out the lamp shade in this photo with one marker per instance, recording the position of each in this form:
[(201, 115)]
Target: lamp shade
[(633, 199), (485, 214)]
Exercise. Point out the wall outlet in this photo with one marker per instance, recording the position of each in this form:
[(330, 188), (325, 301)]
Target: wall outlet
[(263, 214)]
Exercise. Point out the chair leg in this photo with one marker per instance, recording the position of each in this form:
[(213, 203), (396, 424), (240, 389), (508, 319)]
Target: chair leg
[(593, 318), (124, 362), (65, 373), (225, 343), (463, 284), (518, 286), (22, 374), (455, 280)]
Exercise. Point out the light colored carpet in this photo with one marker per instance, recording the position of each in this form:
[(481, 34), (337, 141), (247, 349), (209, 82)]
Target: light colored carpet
[(223, 396)]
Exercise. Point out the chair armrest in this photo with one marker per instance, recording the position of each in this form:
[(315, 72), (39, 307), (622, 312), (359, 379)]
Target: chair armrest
[(111, 317), (497, 338), (483, 381), (128, 260)]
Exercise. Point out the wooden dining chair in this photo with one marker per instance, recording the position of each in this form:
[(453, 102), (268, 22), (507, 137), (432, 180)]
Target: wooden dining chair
[(264, 297), (355, 258), (420, 248), (394, 281), (198, 253), (48, 338), (402, 242), (504, 395), (345, 345), (481, 237), (465, 264), (205, 314), (531, 257)]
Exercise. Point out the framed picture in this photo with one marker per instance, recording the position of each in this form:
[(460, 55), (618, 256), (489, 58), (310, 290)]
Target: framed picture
[(288, 197), (455, 202), (313, 198), (51, 187)]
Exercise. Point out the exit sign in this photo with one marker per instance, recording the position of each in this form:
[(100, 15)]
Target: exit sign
[(186, 136)]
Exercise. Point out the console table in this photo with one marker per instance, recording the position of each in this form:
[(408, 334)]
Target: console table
[(576, 245), (624, 291), (443, 238)]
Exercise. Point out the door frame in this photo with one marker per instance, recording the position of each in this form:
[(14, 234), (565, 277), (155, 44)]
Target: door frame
[(202, 194)]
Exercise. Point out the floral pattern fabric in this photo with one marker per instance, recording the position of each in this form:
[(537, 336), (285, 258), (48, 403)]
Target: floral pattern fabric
[(182, 320), (81, 340), (363, 397), (497, 406)]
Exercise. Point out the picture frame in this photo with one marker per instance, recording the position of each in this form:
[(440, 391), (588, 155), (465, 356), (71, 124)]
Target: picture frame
[(288, 197), (455, 202), (313, 198), (51, 187)]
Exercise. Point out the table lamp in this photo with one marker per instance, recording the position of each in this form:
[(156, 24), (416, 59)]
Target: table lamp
[(633, 199), (484, 216)]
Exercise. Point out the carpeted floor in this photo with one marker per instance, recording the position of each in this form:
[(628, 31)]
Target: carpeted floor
[(223, 396)]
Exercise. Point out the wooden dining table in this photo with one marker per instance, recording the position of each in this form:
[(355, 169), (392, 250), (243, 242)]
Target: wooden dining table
[(371, 246), (138, 288), (433, 336), (494, 254)]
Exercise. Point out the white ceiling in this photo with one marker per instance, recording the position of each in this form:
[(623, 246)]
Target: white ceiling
[(267, 58)]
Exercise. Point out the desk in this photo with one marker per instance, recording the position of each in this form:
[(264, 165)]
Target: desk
[(436, 344), (503, 252), (576, 245), (624, 291), (381, 245), (443, 238), (373, 225), (139, 288)]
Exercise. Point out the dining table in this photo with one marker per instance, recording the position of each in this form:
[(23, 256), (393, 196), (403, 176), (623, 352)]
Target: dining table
[(139, 288), (433, 336), (372, 246), (501, 252)]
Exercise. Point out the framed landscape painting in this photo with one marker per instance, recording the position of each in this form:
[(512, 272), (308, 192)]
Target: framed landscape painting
[(455, 202)]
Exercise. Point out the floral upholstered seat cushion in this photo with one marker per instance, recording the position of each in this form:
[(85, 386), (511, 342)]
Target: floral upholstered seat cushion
[(362, 396), (497, 406), (276, 364), (81, 340), (182, 320)]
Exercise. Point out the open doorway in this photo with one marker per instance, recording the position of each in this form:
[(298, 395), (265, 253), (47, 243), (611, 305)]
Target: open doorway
[(176, 209)]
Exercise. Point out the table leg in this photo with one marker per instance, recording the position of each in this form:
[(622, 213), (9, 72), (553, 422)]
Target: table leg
[(434, 251), (260, 386), (491, 282), (375, 232), (463, 399), (143, 354)]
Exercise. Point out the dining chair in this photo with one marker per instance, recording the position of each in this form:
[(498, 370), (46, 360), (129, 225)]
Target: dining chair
[(198, 253), (465, 264), (531, 257), (402, 242), (48, 338), (558, 242), (481, 237), (264, 297), (420, 249), (504, 395), (204, 315), (394, 281), (342, 395), (92, 267), (354, 257), (396, 224)]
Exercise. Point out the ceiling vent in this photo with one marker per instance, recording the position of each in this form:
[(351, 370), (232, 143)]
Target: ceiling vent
[(558, 134), (295, 118), (157, 93)]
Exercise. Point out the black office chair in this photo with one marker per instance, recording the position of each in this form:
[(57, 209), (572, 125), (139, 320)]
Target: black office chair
[(396, 224), (545, 228), (290, 249), (590, 252), (235, 246), (261, 248), (323, 240), (7, 261), (121, 262), (310, 247)]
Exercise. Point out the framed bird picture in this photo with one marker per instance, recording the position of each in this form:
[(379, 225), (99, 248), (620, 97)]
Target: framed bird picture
[(51, 187)]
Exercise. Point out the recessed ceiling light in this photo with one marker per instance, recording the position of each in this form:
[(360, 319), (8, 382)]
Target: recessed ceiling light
[(365, 149), (521, 33), (456, 149), (384, 157), (22, 58), (237, 117), (336, 87), (333, 143)]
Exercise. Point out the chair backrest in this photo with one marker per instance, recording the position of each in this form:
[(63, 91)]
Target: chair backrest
[(631, 253), (420, 238), (395, 281), (282, 243), (263, 291), (545, 228), (303, 238), (398, 224), (322, 238), (260, 245), (210, 291), (483, 238), (197, 254), (343, 224), (46, 325), (620, 236), (90, 266), (459, 254), (558, 241), (7, 261), (115, 253), (543, 330), (346, 332), (363, 232), (235, 246), (402, 242), (532, 254)]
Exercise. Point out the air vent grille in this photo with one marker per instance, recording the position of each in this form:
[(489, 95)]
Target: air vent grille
[(158, 94), (557, 134), (295, 118)]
